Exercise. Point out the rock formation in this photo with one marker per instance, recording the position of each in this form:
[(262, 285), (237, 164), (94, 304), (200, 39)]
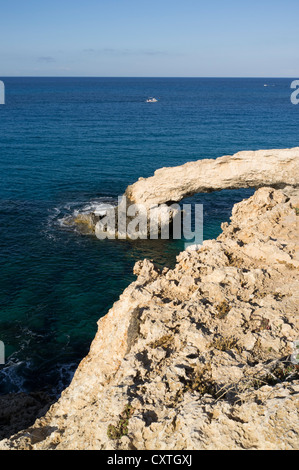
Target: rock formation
[(154, 195), (247, 169), (198, 356)]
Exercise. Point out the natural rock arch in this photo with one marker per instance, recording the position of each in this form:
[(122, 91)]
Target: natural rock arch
[(246, 169)]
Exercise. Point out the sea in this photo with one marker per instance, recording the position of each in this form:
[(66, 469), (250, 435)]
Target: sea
[(71, 145)]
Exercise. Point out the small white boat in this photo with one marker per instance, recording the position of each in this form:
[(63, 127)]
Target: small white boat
[(151, 100)]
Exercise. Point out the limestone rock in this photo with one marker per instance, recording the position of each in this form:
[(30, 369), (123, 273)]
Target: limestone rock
[(198, 356), (246, 169)]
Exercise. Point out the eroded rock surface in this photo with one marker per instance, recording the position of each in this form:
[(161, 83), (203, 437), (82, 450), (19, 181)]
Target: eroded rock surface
[(195, 357), (246, 169)]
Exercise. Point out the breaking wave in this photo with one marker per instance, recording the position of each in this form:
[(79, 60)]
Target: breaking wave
[(64, 216)]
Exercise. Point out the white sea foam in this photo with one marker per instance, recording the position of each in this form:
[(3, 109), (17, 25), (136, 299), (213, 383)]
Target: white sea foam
[(63, 216), (11, 377), (98, 206), (66, 374)]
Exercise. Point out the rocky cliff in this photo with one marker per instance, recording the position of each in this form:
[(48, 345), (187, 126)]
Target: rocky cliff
[(199, 356)]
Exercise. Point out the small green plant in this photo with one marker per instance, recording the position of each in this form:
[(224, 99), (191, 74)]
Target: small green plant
[(297, 210), (121, 429)]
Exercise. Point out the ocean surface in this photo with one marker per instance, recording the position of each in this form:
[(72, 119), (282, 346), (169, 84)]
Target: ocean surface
[(71, 144)]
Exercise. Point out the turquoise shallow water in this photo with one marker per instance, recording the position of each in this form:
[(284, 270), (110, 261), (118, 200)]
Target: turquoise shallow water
[(68, 144)]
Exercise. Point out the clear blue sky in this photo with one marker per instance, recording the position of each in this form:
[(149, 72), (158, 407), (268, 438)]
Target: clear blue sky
[(144, 38)]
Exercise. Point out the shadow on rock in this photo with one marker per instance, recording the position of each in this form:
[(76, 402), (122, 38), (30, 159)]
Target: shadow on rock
[(20, 410)]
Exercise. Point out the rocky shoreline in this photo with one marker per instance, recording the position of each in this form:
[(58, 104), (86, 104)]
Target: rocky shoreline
[(195, 357)]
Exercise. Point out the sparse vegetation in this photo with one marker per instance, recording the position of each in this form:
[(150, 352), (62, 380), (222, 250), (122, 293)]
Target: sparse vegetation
[(264, 325), (222, 309), (281, 372), (121, 429), (200, 380), (287, 265), (234, 260), (226, 344), (163, 342)]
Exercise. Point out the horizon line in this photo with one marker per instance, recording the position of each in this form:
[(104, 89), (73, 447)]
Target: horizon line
[(136, 76)]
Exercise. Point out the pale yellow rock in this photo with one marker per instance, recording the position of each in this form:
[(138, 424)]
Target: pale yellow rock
[(200, 353), (246, 169)]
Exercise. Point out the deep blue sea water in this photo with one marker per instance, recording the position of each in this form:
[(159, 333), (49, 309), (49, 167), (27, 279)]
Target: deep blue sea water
[(68, 143)]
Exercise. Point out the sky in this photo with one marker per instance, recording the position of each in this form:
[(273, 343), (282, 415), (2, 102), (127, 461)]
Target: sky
[(149, 38)]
